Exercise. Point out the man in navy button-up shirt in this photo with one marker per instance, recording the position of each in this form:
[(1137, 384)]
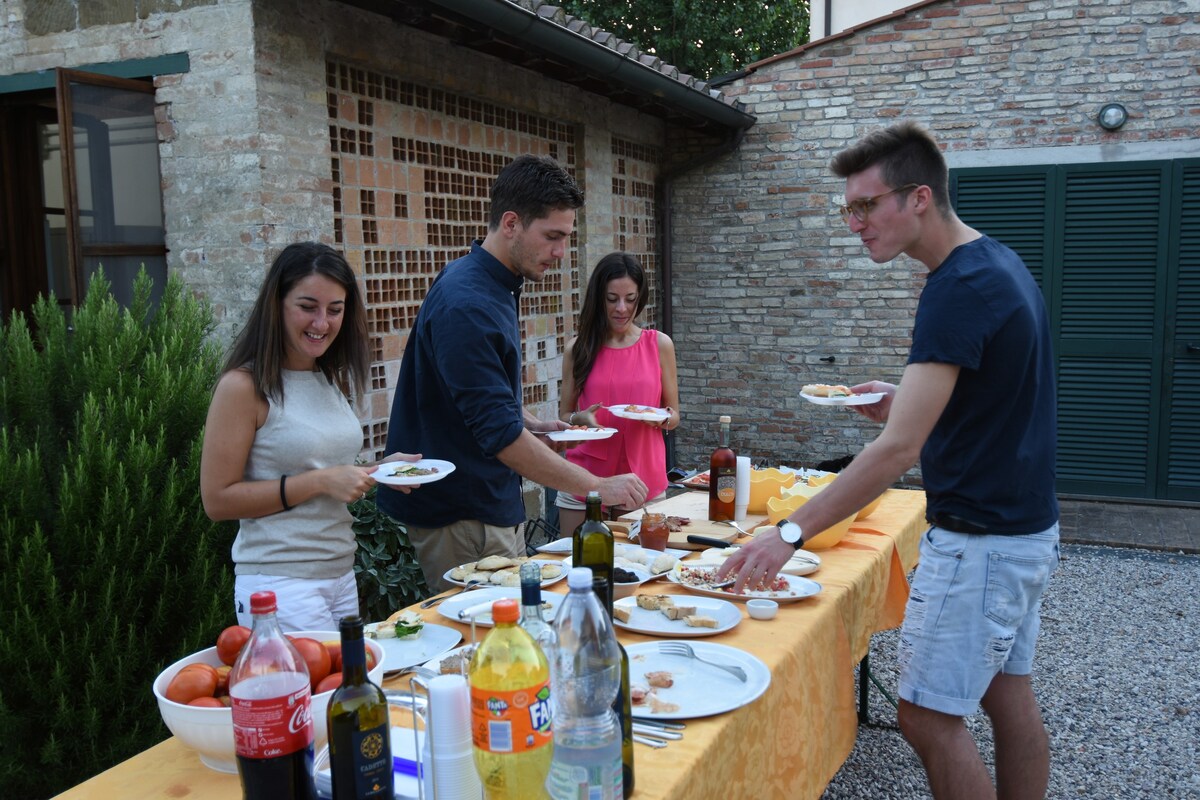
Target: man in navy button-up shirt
[(459, 393)]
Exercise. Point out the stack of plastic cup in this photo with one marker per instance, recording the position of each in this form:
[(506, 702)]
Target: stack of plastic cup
[(448, 742), (741, 495)]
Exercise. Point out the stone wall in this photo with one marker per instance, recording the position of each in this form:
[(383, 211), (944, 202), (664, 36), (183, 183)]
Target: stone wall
[(767, 278)]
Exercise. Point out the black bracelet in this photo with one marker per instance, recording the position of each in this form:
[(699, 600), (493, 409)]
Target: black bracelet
[(283, 492)]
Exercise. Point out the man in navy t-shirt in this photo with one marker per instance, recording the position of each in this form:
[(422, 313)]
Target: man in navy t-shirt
[(976, 405)]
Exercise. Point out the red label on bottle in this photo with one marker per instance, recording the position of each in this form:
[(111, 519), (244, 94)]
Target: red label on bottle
[(272, 726)]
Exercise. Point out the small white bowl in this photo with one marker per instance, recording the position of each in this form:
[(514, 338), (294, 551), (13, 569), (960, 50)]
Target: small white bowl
[(762, 609), (209, 731)]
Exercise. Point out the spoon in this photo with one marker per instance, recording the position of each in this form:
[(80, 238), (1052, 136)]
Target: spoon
[(433, 601)]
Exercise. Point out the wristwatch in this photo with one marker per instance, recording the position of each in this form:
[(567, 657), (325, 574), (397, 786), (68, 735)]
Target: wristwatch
[(790, 532)]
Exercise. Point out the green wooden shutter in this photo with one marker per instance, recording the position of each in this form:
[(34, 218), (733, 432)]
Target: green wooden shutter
[(1182, 441)]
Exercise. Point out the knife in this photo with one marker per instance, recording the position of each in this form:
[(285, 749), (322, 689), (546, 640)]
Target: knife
[(697, 539)]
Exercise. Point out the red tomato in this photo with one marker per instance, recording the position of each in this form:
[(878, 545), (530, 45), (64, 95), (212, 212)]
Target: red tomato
[(317, 657), (223, 679), (191, 682), (230, 643), (370, 658), (206, 702), (334, 646), (330, 682)]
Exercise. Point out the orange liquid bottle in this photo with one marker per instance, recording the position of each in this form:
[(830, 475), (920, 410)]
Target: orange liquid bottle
[(722, 477)]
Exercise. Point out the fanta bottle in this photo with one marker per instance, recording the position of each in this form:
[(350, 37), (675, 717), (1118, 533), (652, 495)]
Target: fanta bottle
[(510, 709)]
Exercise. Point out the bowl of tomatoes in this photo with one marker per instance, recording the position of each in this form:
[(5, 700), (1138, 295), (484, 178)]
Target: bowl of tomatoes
[(193, 693)]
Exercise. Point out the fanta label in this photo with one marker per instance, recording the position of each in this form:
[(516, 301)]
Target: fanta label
[(511, 722)]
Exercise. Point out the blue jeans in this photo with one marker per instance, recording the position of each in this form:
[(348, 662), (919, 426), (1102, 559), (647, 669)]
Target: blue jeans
[(973, 612)]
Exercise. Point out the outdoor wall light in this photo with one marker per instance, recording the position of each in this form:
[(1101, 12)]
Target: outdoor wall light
[(1112, 116)]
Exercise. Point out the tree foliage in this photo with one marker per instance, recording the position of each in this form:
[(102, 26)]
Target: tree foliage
[(705, 38)]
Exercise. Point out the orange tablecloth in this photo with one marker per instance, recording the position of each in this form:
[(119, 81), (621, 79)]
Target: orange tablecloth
[(788, 743)]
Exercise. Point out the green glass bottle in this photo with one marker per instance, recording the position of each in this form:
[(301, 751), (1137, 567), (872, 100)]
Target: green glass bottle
[(592, 547), (622, 706), (360, 744)]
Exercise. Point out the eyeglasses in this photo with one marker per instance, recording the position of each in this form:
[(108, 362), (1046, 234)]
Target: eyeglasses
[(861, 207)]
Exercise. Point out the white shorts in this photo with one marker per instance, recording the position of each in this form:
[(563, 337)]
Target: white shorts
[(305, 604)]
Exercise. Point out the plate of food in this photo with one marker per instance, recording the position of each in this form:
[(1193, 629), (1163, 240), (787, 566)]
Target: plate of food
[(580, 433), (668, 686), (452, 662), (478, 604), (406, 639), (782, 589), (824, 394), (412, 473), (697, 481), (675, 615), (802, 563), (501, 571), (645, 413)]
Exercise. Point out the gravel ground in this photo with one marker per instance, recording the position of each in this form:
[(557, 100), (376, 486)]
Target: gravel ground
[(1117, 673)]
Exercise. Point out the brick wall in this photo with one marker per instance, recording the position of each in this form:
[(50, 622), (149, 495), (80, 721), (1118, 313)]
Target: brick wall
[(767, 279)]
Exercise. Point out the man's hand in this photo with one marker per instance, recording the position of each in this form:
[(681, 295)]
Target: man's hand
[(410, 457), (876, 412), (626, 491), (758, 561)]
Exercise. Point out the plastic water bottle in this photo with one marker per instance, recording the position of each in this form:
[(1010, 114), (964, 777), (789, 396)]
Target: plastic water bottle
[(272, 713), (587, 674)]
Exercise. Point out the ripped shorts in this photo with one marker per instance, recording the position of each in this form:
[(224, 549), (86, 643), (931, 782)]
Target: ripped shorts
[(973, 612)]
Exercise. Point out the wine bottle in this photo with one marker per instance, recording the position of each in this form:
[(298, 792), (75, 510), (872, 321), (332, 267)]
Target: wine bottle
[(722, 478), (592, 546), (360, 745)]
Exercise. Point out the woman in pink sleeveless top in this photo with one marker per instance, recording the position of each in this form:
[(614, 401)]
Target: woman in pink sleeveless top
[(614, 362)]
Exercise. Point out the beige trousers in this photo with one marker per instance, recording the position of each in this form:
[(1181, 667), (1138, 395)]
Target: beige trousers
[(440, 550)]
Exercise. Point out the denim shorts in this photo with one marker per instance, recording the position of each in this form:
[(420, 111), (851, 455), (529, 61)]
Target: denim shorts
[(973, 612)]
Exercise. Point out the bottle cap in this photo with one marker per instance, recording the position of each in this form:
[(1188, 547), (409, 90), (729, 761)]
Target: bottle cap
[(579, 578), (725, 419), (350, 624), (262, 603), (531, 572), (594, 494), (505, 610)]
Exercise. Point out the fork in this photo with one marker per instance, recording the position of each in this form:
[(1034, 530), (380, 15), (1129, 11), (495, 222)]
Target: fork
[(433, 601), (684, 649), (736, 527)]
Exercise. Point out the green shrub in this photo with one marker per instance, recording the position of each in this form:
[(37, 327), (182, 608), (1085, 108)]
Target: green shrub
[(385, 565), (111, 568)]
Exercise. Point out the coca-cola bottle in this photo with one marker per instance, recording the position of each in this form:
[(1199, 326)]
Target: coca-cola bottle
[(272, 716)]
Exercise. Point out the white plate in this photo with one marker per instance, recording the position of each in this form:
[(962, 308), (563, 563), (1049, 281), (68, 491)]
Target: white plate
[(433, 641), (655, 623), (798, 588), (580, 435), (853, 400), (631, 551), (700, 689), (802, 563), (384, 473), (435, 663), (653, 415), (562, 573), (450, 607)]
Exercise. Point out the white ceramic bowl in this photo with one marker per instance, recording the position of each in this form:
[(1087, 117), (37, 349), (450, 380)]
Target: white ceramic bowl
[(209, 731), (762, 609)]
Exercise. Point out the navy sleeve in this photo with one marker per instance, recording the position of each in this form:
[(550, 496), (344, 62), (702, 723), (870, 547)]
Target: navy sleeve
[(475, 353)]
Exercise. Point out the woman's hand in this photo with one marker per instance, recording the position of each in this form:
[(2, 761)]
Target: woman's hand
[(668, 424), (585, 416), (347, 482), (409, 457)]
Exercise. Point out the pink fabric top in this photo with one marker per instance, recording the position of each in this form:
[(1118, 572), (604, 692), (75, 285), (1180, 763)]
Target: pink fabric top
[(625, 376)]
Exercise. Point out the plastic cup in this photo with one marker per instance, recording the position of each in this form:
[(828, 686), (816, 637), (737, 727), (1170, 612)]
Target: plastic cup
[(741, 495), (654, 533), (449, 714)]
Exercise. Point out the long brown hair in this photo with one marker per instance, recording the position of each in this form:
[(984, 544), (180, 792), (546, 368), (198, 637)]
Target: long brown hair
[(593, 322), (259, 348)]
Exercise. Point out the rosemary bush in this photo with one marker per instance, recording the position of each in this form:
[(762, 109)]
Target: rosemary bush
[(111, 568)]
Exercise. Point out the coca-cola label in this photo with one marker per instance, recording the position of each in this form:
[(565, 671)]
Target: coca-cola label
[(273, 726)]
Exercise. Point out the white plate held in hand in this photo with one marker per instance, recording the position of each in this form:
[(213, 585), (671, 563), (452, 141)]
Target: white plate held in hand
[(646, 413), (580, 435), (385, 474), (853, 400)]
